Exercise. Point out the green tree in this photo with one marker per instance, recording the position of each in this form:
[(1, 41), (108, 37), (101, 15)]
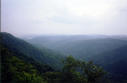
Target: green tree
[(75, 71), (70, 71), (15, 70), (93, 73)]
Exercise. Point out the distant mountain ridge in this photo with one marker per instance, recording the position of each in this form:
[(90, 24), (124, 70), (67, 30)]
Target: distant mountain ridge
[(108, 52), (79, 46)]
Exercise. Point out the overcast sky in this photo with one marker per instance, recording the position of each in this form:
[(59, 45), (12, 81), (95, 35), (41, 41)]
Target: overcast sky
[(23, 17)]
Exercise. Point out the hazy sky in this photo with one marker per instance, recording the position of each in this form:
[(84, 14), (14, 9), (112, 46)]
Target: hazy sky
[(21, 17)]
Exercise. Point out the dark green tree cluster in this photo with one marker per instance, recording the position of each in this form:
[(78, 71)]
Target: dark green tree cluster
[(15, 70), (75, 71)]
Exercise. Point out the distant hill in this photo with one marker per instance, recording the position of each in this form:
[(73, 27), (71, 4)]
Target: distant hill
[(42, 56), (81, 47), (108, 52)]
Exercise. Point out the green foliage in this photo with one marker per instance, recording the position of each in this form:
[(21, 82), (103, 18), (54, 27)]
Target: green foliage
[(83, 71), (53, 77), (70, 64), (15, 70), (75, 71), (93, 73)]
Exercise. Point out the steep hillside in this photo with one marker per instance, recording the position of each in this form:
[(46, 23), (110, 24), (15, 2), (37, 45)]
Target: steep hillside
[(18, 68), (42, 56)]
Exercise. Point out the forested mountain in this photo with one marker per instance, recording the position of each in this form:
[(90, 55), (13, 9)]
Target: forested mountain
[(108, 52), (42, 56), (20, 67), (42, 59)]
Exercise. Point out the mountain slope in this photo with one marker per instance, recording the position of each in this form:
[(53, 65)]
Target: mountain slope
[(18, 68), (114, 61), (110, 53), (17, 45)]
